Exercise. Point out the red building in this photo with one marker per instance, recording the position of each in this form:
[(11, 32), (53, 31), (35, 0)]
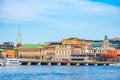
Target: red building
[(111, 54), (108, 51)]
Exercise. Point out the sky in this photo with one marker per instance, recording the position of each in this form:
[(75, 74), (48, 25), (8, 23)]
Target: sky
[(52, 20)]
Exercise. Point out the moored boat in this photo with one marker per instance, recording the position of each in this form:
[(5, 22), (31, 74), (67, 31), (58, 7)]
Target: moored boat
[(114, 64), (2, 63), (12, 61)]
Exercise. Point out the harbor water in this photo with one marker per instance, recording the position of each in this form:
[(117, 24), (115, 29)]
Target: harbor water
[(59, 72)]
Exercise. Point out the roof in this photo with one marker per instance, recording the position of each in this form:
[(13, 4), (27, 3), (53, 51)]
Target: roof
[(94, 45), (32, 46), (110, 48), (75, 39), (106, 39), (15, 48)]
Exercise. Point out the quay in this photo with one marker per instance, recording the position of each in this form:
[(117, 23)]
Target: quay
[(67, 63)]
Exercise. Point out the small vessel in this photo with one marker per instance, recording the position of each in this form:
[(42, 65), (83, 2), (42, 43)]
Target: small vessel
[(2, 63), (12, 62), (114, 64)]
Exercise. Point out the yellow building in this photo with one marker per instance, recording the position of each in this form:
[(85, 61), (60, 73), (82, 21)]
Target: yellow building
[(12, 53), (48, 53), (73, 41), (30, 51)]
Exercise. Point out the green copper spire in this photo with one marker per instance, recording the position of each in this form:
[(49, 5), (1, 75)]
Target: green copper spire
[(106, 39), (19, 36)]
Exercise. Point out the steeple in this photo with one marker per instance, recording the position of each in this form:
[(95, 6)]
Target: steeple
[(106, 43), (106, 39), (19, 38)]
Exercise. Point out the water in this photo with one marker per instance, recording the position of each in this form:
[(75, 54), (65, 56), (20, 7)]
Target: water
[(60, 73)]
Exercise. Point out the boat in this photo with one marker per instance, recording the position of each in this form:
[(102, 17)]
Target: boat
[(2, 63), (114, 64), (12, 61)]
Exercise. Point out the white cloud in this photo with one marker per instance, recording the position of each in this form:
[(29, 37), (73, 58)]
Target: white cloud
[(33, 10)]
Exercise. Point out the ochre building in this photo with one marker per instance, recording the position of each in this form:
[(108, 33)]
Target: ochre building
[(30, 51), (13, 53), (73, 41)]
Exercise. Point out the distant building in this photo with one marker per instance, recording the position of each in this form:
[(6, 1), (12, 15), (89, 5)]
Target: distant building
[(73, 41), (105, 50), (63, 52), (3, 53), (12, 53), (48, 53), (7, 45), (71, 52), (116, 39), (32, 51), (116, 43), (118, 54), (53, 43), (83, 57)]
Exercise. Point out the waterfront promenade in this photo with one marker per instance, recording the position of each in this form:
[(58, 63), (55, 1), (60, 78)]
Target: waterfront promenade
[(67, 63)]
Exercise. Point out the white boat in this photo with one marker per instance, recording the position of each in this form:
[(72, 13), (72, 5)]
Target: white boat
[(12, 61), (2, 63), (114, 64)]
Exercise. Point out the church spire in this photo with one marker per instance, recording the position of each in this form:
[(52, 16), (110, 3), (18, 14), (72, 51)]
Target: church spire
[(19, 38)]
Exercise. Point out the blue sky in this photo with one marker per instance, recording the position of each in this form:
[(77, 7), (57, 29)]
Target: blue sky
[(51, 20)]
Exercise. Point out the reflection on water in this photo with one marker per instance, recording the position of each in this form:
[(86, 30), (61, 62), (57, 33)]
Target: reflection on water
[(60, 73)]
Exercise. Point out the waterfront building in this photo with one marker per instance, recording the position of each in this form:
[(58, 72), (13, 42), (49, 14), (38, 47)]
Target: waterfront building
[(116, 43), (73, 41), (3, 53), (70, 52), (109, 51), (118, 54), (48, 53), (83, 57), (105, 50), (98, 43), (12, 53), (30, 51), (7, 45), (86, 53), (63, 52), (106, 42)]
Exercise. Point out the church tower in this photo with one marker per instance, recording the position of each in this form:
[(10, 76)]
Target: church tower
[(106, 42), (19, 39)]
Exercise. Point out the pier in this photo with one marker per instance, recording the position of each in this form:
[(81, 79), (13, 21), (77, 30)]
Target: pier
[(60, 63)]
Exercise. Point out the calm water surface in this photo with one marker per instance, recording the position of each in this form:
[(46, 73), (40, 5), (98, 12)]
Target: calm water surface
[(60, 73)]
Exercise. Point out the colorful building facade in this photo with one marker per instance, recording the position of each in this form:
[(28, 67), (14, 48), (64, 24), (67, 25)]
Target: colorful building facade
[(105, 50), (12, 53), (30, 51), (73, 41)]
